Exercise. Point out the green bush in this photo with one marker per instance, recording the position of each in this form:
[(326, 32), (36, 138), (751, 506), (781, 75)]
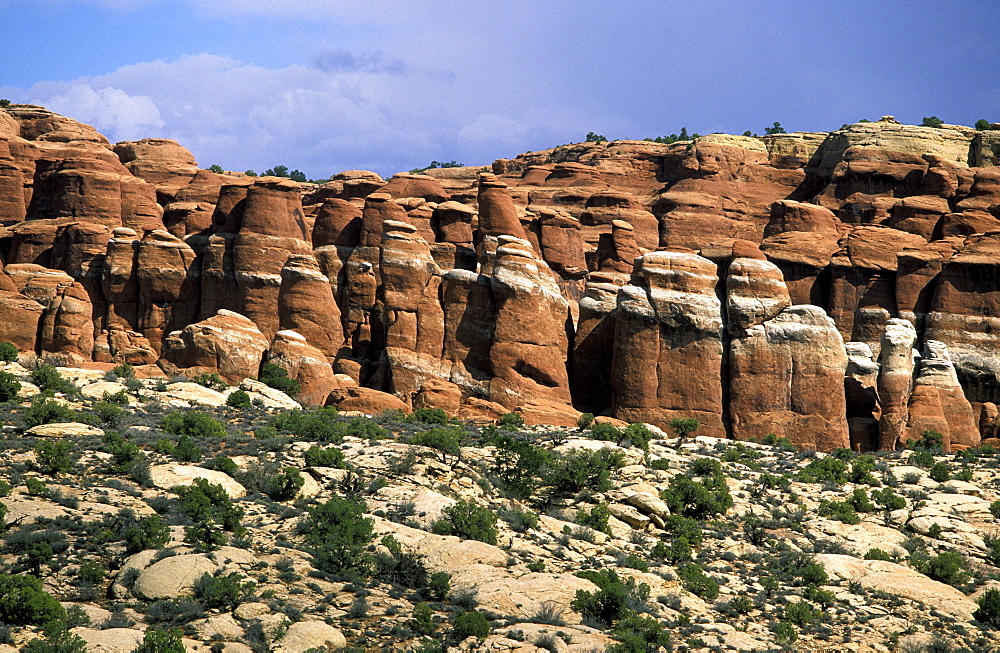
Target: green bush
[(160, 640), (989, 608), (596, 518), (279, 484), (238, 399), (468, 520), (427, 416), (859, 501), (277, 377), (995, 509), (439, 585), (211, 380), (337, 534), (109, 413), (581, 470), (511, 421), (316, 456), (518, 465), (8, 352), (447, 440), (877, 554), (584, 420), (46, 377), (193, 423), (57, 640), (423, 619), (123, 371), (400, 566), (700, 499), (471, 624), (224, 464), (887, 499), (638, 634), (140, 534), (225, 592), (799, 613), (90, 573), (24, 603), (921, 459), (932, 121), (827, 469), (839, 510), (186, 450), (214, 514), (10, 386), (54, 457), (593, 137), (947, 567), (940, 472), (694, 580), (683, 427), (614, 600), (324, 425), (46, 411), (983, 125), (605, 431)]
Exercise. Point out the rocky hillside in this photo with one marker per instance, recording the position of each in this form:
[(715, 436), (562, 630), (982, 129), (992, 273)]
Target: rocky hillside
[(159, 516), (761, 286)]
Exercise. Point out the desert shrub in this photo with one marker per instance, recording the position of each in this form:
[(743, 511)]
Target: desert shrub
[(238, 399), (323, 425), (683, 427), (10, 386), (859, 501), (827, 469), (47, 377), (24, 603), (140, 534), (447, 440), (839, 510), (932, 121), (337, 534), (277, 377), (940, 472), (468, 520), (614, 600), (877, 554), (701, 498), (224, 464), (109, 413), (520, 521), (279, 483), (90, 573), (887, 499), (193, 423), (989, 608), (8, 352), (947, 567), (316, 456), (422, 622), (596, 518), (439, 585), (399, 566), (638, 634), (46, 411), (123, 371), (210, 380), (427, 416), (510, 421), (57, 640), (517, 465), (54, 457), (470, 624), (694, 580), (584, 420), (214, 514), (579, 470), (161, 640), (605, 431), (225, 592), (921, 459), (186, 450)]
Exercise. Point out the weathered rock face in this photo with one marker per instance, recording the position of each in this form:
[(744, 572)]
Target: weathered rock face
[(787, 378), (228, 343), (668, 343), (305, 364), (511, 291)]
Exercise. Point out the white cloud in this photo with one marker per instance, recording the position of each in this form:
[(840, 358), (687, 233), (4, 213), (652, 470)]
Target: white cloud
[(112, 111), (364, 114)]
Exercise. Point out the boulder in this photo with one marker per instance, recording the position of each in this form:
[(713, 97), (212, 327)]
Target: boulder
[(309, 635), (304, 363), (227, 343), (173, 576), (172, 475)]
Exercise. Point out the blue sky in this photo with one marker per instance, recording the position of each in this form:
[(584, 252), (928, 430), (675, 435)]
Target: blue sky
[(327, 85)]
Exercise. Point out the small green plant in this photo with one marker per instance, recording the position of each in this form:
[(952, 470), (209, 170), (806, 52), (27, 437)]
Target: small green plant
[(10, 386), (447, 440), (238, 399), (584, 420), (877, 554), (8, 352), (90, 573), (149, 532), (983, 125), (277, 377), (423, 619), (427, 416), (471, 624), (439, 585), (468, 520), (614, 600), (683, 427), (224, 592), (596, 518), (316, 456), (47, 377), (593, 137), (839, 510), (211, 380), (24, 603), (694, 580), (192, 423), (54, 457), (214, 514), (989, 608), (940, 472), (46, 411), (776, 128), (931, 121), (337, 534), (160, 640), (510, 421), (109, 413)]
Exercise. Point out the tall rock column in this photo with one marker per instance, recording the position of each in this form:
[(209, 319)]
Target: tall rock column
[(895, 382), (273, 228), (938, 403), (668, 343), (168, 282), (306, 304)]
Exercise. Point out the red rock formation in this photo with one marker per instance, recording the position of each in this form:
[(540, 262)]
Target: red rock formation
[(227, 343), (306, 304), (895, 382), (305, 364), (668, 343)]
